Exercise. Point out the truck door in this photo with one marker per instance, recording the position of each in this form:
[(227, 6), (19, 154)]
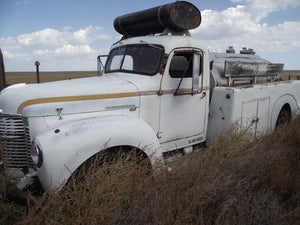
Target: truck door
[(183, 108)]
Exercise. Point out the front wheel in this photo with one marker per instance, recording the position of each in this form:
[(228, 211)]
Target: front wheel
[(110, 183), (114, 162)]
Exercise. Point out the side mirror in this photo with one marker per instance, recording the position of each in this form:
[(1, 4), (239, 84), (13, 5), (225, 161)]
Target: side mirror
[(196, 72), (100, 65)]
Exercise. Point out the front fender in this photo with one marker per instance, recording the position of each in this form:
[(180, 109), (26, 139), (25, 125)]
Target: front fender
[(66, 147)]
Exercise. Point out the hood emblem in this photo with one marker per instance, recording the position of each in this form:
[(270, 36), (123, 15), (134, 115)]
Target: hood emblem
[(120, 107)]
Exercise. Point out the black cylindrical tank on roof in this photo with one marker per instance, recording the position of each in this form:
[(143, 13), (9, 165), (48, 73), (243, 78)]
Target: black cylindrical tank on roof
[(178, 16)]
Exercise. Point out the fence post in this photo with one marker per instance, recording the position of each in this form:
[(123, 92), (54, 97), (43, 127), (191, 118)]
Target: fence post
[(37, 64)]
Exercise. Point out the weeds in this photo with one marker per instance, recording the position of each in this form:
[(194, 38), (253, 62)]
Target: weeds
[(10, 212), (234, 181)]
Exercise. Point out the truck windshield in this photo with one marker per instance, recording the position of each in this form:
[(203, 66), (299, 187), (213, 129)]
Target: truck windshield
[(140, 59)]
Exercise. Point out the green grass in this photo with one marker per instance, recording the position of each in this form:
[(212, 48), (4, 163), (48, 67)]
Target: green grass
[(234, 181)]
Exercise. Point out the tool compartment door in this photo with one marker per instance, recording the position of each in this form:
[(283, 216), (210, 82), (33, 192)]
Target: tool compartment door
[(255, 115)]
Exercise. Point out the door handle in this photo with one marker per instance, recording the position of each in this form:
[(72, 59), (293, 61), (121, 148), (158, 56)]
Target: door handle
[(203, 95)]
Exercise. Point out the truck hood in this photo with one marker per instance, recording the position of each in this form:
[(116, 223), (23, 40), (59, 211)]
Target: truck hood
[(73, 95)]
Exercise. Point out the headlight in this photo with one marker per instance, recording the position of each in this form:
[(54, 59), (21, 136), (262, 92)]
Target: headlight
[(37, 154)]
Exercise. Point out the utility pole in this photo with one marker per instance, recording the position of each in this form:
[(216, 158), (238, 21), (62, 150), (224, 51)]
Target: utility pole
[(2, 72)]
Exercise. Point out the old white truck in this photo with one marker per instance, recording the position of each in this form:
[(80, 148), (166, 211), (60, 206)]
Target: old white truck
[(162, 94)]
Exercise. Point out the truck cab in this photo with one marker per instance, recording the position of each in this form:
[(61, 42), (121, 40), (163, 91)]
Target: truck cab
[(171, 77)]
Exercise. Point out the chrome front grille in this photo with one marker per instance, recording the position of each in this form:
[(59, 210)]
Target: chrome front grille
[(15, 142)]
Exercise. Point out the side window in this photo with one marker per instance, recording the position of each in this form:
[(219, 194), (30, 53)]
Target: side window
[(182, 64)]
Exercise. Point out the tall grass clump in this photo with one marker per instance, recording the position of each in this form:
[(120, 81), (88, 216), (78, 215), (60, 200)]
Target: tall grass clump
[(10, 212), (95, 195), (236, 180)]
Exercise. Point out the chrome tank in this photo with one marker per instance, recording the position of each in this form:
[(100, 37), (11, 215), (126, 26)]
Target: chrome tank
[(249, 69)]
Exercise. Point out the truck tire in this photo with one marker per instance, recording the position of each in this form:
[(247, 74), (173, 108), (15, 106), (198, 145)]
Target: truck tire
[(107, 159), (284, 116)]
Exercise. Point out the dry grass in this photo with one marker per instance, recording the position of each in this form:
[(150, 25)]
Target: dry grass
[(30, 77), (234, 181), (290, 74)]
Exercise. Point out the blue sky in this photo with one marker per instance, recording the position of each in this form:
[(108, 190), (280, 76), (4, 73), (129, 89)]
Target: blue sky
[(67, 35)]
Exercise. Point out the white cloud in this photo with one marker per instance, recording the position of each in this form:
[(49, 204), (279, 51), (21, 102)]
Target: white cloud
[(88, 35), (67, 57), (67, 50), (43, 38), (52, 38), (9, 55), (261, 9), (242, 26), (9, 43), (51, 46)]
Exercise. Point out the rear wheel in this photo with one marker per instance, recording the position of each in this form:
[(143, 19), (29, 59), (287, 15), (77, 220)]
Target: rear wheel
[(284, 116)]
